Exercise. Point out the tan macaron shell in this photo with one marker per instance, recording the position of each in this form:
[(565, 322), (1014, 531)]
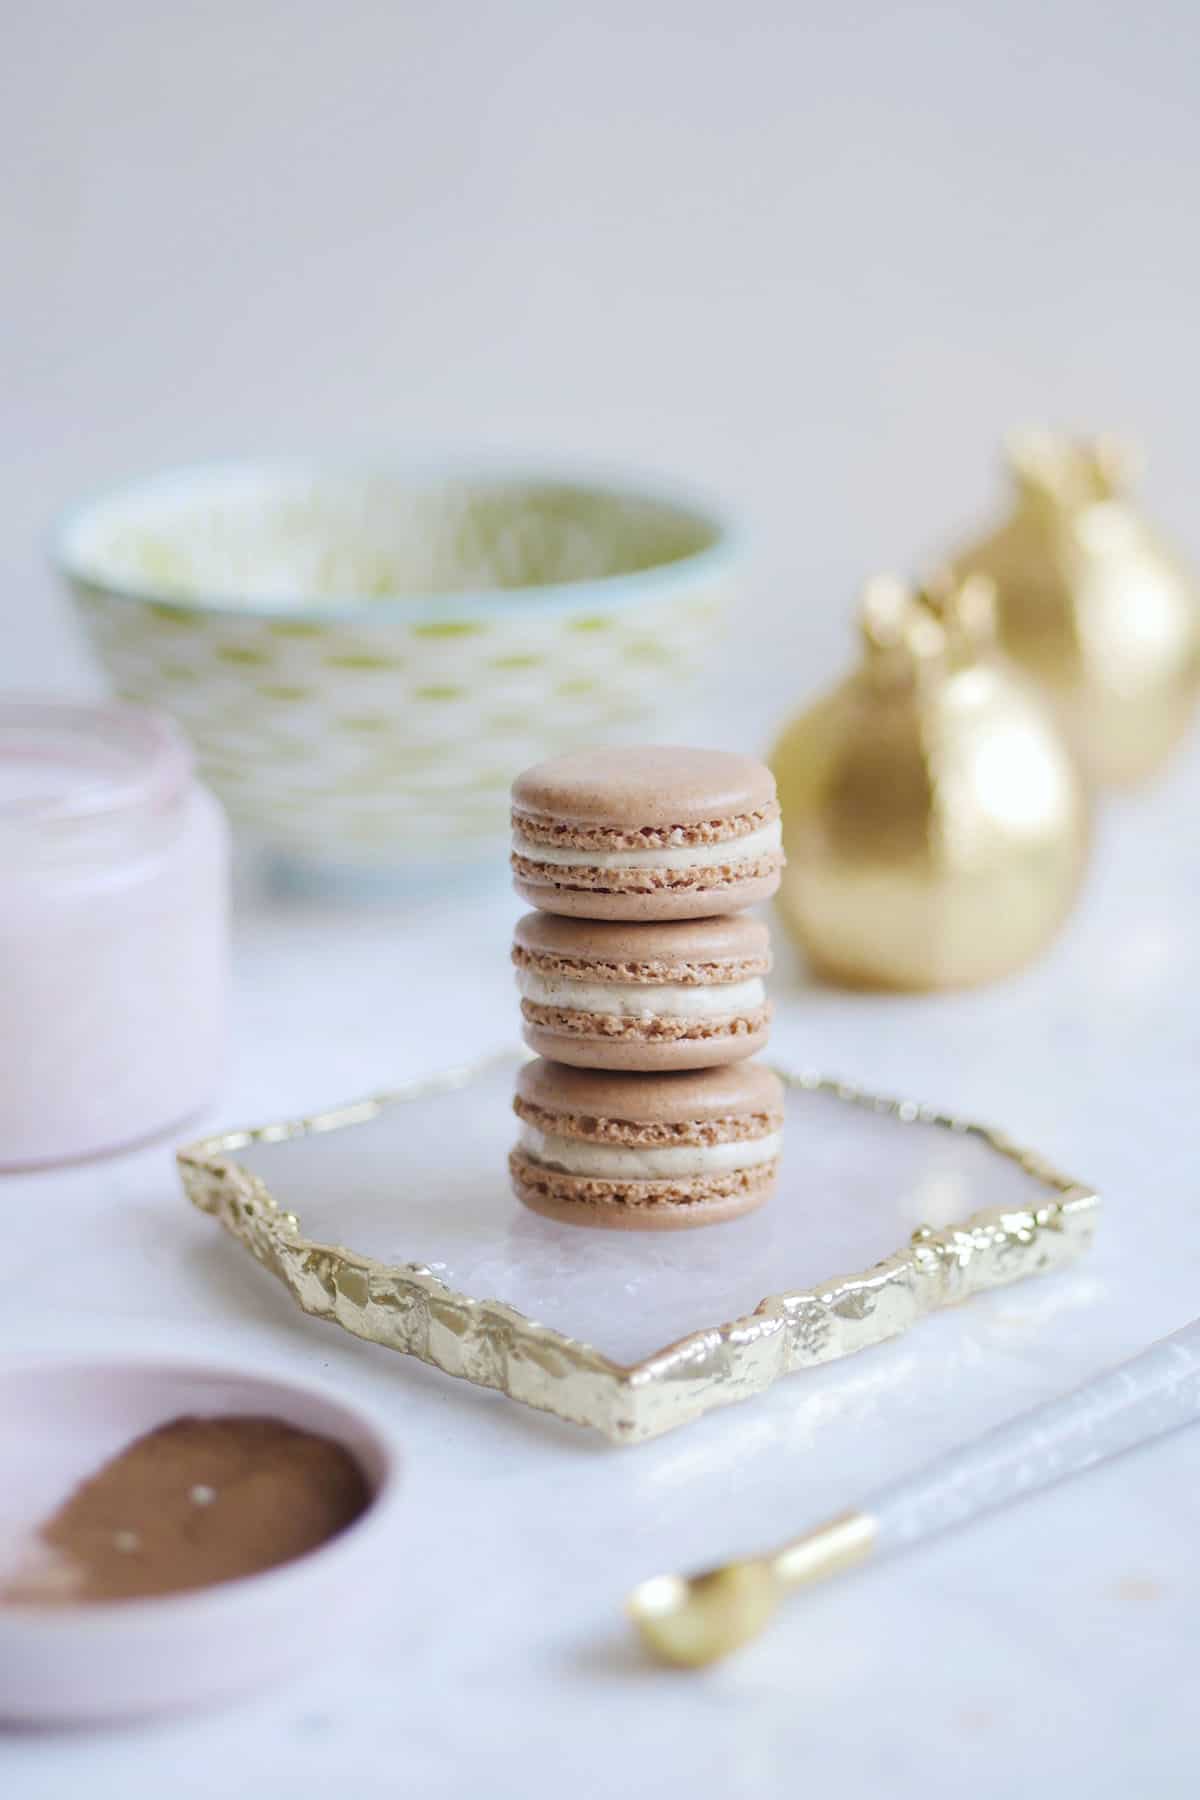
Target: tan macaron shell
[(723, 947), (736, 1103), (696, 902), (643, 799), (569, 1200), (705, 953), (652, 785), (703, 1106)]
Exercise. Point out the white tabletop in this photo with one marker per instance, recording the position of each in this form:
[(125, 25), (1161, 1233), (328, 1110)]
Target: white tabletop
[(1035, 1644), (816, 258)]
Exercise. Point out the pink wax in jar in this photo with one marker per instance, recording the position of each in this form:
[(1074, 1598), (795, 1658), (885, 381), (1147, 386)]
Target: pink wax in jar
[(114, 931)]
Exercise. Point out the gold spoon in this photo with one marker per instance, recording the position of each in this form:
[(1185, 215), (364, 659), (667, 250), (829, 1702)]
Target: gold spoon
[(691, 1620)]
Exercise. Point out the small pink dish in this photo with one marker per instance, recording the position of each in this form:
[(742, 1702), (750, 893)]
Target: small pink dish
[(78, 1664)]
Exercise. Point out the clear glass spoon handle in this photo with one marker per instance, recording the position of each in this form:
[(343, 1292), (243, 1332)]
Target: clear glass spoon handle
[(1155, 1392)]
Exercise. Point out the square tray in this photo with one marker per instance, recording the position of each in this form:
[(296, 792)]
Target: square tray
[(639, 1332)]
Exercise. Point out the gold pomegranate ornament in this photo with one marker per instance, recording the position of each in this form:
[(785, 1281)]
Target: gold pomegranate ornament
[(1092, 605), (935, 822)]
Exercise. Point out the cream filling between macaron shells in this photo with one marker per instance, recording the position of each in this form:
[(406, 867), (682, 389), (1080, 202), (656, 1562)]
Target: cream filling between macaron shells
[(754, 844), (630, 1001), (626, 1162)]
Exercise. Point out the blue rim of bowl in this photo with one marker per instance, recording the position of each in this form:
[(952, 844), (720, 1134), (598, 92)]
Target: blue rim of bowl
[(602, 592)]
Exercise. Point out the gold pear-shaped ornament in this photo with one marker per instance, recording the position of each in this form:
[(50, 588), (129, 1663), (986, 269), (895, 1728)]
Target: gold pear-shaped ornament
[(935, 822), (1093, 605)]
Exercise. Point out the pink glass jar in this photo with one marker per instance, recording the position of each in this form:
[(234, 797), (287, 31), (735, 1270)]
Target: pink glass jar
[(114, 931)]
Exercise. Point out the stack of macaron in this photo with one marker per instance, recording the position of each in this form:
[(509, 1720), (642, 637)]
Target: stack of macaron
[(642, 986)]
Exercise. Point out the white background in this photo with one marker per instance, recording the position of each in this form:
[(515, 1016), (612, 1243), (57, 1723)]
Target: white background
[(815, 258)]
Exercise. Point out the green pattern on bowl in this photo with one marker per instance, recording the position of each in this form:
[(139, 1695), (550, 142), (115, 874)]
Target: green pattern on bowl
[(386, 726)]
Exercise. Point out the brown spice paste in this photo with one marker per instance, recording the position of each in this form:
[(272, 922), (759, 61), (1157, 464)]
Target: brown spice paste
[(193, 1503)]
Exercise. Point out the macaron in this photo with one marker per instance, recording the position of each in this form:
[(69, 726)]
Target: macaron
[(611, 995), (639, 1152), (646, 834)]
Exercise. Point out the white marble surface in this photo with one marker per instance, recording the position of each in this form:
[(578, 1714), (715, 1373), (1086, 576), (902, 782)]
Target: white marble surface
[(426, 1182), (816, 258), (1035, 1646)]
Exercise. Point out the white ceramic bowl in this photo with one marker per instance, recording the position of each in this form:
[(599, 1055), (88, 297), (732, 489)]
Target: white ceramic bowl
[(364, 660), (59, 1421)]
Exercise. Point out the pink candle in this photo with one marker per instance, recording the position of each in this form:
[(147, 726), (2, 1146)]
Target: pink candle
[(114, 881)]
